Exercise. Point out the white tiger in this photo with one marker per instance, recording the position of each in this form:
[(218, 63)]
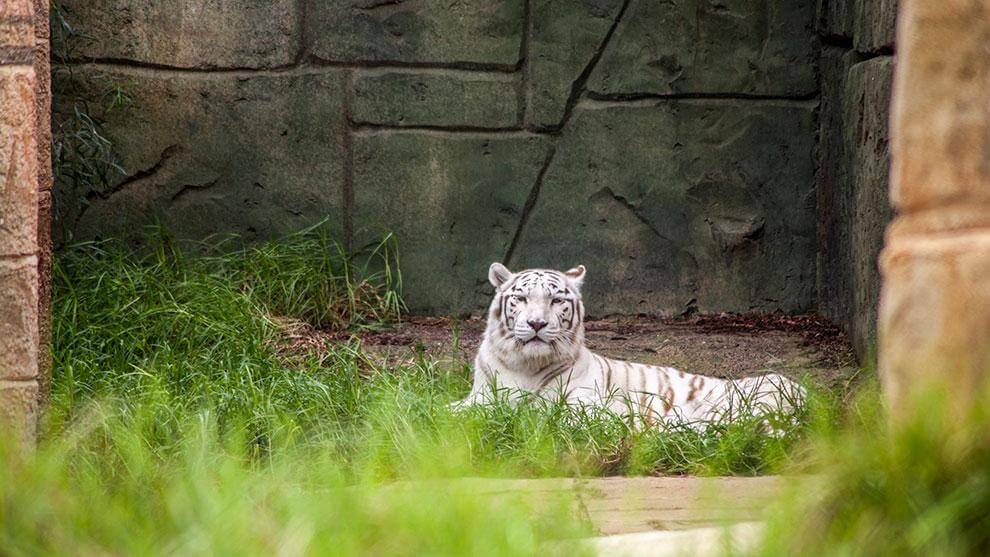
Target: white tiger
[(534, 343)]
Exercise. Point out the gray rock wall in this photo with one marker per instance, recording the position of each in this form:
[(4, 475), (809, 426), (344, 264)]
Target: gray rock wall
[(669, 146), (857, 62)]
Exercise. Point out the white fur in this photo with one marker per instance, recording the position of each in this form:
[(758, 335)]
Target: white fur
[(521, 354)]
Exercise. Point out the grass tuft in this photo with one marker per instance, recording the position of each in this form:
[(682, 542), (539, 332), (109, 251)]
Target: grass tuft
[(311, 277), (917, 486), (98, 489)]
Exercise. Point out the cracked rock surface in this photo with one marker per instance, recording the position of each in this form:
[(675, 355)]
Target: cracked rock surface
[(669, 199), (675, 160), (211, 155)]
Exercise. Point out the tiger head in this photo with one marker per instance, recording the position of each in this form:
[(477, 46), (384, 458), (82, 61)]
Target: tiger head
[(537, 313)]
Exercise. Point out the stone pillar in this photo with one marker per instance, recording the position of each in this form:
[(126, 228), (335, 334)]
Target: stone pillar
[(935, 305), (43, 139), (19, 171)]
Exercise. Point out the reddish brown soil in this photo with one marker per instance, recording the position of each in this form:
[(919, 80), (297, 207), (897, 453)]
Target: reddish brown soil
[(720, 345)]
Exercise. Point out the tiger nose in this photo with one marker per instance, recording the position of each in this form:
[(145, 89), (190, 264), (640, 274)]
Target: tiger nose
[(537, 324)]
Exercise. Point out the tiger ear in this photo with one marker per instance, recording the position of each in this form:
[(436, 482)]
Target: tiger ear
[(576, 275), (498, 274)]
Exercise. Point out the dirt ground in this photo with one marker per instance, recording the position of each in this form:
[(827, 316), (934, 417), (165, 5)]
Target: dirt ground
[(722, 345)]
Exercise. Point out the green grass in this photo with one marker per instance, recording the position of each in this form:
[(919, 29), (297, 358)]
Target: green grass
[(169, 335), (182, 420), (916, 486), (84, 159), (99, 488)]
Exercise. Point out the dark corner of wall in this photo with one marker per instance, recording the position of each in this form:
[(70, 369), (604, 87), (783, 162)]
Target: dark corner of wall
[(856, 72)]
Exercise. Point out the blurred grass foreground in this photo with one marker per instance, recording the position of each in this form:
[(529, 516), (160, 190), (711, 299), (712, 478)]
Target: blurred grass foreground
[(182, 421)]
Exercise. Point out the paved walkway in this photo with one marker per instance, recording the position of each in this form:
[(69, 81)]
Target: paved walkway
[(621, 505), (695, 542), (648, 516), (668, 516)]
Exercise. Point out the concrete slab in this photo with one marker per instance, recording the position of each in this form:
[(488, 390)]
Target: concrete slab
[(696, 542), (623, 505)]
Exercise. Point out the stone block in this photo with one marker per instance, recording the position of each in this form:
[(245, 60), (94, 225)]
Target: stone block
[(44, 293), (935, 315), (19, 407), (867, 107), (444, 98), (854, 210), (566, 35), (835, 189), (18, 161), (416, 32), (680, 206), (42, 12), (257, 155), (454, 202), (16, 33), (836, 18), (43, 107), (875, 23), (17, 10), (18, 317), (935, 309), (711, 47), (942, 103), (186, 33), (43, 113)]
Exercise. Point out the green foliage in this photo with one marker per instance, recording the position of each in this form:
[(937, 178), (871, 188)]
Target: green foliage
[(184, 420), (84, 161), (311, 277), (169, 335), (177, 334), (920, 486), (99, 489), (178, 423)]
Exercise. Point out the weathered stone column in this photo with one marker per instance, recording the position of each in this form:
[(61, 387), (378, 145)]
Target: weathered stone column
[(43, 139), (18, 217), (935, 304)]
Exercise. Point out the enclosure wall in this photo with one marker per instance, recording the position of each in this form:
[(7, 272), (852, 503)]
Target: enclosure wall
[(857, 61), (668, 146)]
